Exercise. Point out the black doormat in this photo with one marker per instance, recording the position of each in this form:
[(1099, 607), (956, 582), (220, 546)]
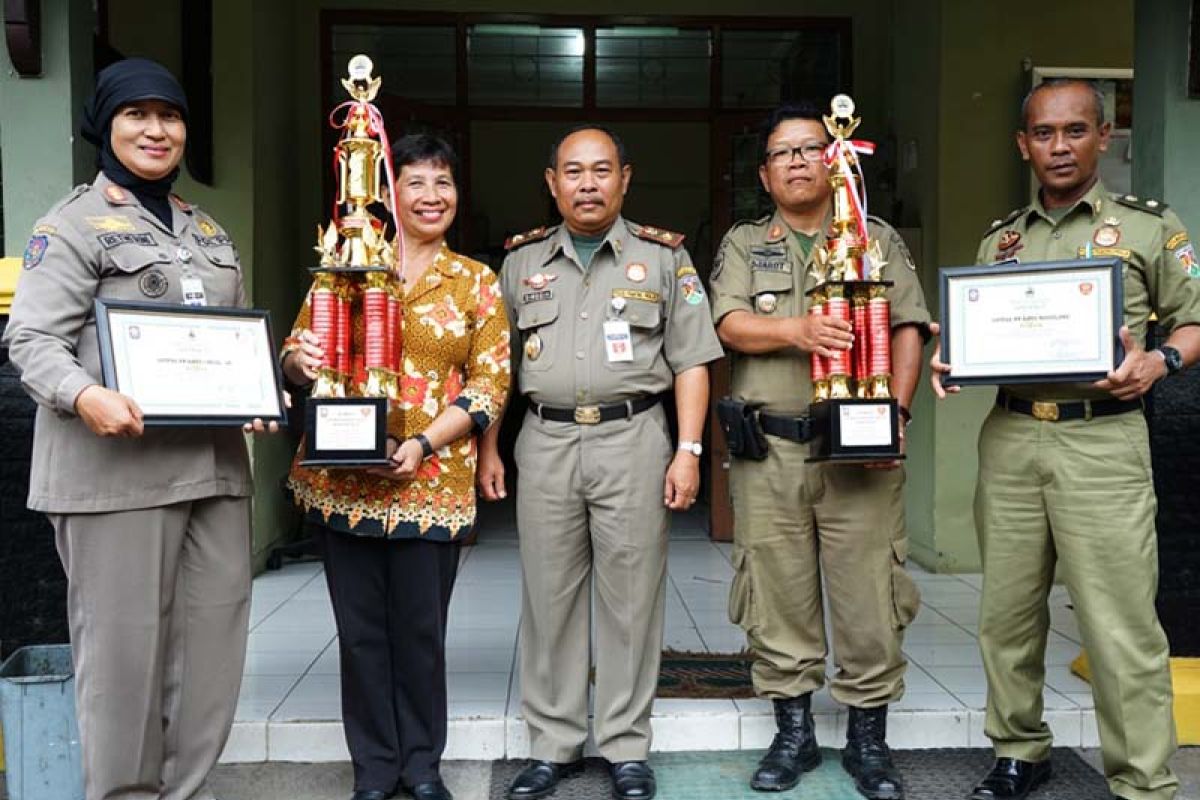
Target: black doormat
[(945, 774), (692, 675)]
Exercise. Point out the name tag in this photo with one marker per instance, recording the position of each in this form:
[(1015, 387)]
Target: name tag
[(193, 292), (618, 343)]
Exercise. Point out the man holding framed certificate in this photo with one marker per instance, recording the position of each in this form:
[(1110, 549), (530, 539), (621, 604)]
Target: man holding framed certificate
[(1064, 464)]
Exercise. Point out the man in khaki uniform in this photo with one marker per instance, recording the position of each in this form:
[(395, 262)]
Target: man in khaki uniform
[(1064, 470), (607, 315), (796, 523)]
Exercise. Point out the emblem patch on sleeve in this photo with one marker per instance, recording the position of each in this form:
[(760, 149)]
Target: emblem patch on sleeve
[(35, 250), (1186, 256), (693, 290)]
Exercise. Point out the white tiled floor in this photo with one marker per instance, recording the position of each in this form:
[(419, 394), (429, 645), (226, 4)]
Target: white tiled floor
[(289, 708)]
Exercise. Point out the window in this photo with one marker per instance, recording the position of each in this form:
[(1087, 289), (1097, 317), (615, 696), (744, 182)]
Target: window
[(650, 67), (525, 65)]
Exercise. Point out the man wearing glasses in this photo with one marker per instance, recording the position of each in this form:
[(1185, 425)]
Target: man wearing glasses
[(795, 523)]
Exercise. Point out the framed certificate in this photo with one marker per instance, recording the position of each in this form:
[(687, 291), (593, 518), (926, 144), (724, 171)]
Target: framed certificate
[(345, 432), (1049, 322), (191, 365)]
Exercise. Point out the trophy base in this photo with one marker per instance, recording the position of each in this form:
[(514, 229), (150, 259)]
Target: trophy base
[(344, 432), (850, 287), (855, 430), (349, 270)]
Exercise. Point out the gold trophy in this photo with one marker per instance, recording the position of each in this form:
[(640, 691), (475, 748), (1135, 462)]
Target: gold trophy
[(354, 290), (854, 415)]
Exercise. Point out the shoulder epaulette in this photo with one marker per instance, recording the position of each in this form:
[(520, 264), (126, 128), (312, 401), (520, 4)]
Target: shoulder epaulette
[(763, 220), (1155, 207), (880, 221), (999, 223), (535, 235), (658, 235)]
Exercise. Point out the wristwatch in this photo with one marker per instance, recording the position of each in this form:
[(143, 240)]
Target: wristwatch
[(426, 447), (1171, 358), (695, 448)]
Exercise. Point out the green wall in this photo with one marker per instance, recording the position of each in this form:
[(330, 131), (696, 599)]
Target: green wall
[(52, 156)]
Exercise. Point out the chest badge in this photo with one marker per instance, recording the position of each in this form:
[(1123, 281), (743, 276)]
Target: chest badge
[(538, 280), (207, 228), (1009, 239), (636, 272), (533, 347), (153, 283), (767, 303), (1107, 236)]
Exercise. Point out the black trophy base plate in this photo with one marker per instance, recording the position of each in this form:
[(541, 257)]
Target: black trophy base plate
[(836, 424), (332, 463)]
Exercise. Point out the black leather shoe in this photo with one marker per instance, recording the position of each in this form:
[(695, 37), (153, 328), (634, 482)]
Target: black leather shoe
[(867, 757), (431, 790), (370, 794), (1012, 779), (794, 750), (540, 779), (632, 780)]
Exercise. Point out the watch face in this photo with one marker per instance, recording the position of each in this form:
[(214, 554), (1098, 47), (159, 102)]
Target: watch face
[(1173, 358)]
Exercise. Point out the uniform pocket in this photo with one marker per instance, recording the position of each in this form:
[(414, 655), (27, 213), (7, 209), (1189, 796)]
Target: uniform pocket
[(129, 259), (773, 295), (645, 321), (534, 320), (906, 598), (741, 593)]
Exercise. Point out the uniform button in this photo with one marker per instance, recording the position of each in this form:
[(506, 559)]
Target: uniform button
[(1058, 234), (583, 315), (183, 254), (579, 354), (581, 395)]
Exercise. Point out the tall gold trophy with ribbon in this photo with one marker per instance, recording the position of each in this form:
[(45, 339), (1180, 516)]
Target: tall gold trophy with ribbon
[(854, 414), (355, 302)]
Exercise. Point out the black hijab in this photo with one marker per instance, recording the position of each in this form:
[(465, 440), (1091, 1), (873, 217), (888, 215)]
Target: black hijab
[(118, 85)]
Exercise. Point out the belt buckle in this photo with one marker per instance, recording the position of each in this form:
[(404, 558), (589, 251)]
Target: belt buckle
[(1046, 412), (587, 415)]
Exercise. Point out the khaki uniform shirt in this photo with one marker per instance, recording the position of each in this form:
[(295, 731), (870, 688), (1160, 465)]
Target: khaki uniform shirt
[(760, 269), (1159, 263), (101, 242), (558, 309)]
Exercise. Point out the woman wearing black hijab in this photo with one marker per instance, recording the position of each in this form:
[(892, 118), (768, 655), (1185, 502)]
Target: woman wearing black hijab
[(152, 524)]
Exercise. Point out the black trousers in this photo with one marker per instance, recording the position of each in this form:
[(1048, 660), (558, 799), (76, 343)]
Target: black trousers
[(390, 601)]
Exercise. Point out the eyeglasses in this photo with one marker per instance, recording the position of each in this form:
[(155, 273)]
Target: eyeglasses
[(785, 154)]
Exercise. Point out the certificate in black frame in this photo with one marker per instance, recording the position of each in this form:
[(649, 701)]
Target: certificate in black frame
[(1107, 269), (104, 308), (376, 456)]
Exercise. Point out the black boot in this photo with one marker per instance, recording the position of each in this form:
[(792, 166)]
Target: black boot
[(794, 750), (867, 757)]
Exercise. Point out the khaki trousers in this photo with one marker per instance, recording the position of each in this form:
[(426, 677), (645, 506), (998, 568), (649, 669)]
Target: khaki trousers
[(1078, 495), (158, 605), (796, 524), (590, 515)]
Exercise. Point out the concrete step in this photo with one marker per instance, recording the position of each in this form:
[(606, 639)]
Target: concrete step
[(679, 725)]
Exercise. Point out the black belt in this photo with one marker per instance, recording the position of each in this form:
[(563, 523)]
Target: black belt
[(1060, 412), (593, 415), (797, 429)]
